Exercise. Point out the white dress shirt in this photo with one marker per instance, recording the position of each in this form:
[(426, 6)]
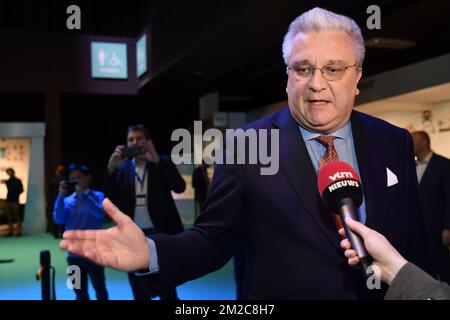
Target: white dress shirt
[(421, 166)]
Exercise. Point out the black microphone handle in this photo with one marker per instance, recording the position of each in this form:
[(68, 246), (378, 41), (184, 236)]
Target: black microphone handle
[(347, 209)]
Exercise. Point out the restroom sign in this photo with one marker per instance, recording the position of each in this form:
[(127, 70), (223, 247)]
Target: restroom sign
[(109, 60)]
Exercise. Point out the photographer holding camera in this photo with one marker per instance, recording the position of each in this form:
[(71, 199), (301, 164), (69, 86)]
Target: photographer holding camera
[(80, 208), (140, 182)]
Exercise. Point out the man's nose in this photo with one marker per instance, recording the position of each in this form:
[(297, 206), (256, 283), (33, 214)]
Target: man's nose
[(317, 82)]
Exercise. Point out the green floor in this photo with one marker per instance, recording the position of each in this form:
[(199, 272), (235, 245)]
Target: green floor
[(18, 279)]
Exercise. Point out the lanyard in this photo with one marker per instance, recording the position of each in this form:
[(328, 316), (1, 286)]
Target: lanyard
[(142, 180)]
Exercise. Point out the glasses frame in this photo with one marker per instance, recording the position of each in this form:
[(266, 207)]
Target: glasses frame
[(324, 75)]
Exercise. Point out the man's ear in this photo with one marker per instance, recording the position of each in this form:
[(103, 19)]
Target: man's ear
[(358, 77)]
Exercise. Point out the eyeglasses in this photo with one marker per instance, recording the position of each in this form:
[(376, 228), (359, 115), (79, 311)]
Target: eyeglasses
[(331, 72)]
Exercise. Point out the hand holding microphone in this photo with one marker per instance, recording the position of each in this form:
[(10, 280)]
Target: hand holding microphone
[(384, 254), (340, 188)]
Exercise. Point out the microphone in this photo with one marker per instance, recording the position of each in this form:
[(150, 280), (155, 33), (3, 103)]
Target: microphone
[(43, 274), (340, 189)]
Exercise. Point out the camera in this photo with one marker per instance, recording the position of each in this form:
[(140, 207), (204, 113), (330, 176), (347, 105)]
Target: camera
[(69, 186), (132, 152)]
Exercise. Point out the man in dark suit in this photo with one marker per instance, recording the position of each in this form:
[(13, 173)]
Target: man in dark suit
[(141, 186), (289, 238), (433, 173)]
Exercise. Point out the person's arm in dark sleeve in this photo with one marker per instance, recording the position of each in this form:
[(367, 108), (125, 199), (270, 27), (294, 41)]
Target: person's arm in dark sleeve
[(418, 247), (171, 175), (210, 243), (411, 283), (112, 184)]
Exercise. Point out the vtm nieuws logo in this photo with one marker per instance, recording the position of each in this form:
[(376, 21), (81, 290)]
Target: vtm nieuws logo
[(341, 175)]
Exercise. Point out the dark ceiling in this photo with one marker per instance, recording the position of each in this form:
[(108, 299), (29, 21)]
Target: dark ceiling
[(233, 47)]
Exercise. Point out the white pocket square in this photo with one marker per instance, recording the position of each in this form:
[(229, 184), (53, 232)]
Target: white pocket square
[(391, 178)]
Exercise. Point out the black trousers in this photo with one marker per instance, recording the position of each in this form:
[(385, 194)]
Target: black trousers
[(13, 213), (140, 293), (96, 274)]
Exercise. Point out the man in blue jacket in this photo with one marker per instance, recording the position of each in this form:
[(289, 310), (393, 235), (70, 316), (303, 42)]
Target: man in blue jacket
[(82, 210)]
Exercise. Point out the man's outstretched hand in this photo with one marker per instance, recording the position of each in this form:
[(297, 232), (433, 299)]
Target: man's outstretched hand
[(122, 247)]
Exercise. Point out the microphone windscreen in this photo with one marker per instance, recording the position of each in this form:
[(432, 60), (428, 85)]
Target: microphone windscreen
[(45, 258), (339, 180)]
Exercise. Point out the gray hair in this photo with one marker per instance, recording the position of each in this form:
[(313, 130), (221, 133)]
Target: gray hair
[(319, 19)]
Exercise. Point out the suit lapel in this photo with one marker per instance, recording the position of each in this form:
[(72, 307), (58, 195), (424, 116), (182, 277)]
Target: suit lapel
[(372, 167), (132, 183), (152, 181), (296, 165), (150, 177), (428, 169)]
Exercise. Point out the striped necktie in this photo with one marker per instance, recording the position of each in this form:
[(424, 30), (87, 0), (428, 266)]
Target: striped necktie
[(330, 155)]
